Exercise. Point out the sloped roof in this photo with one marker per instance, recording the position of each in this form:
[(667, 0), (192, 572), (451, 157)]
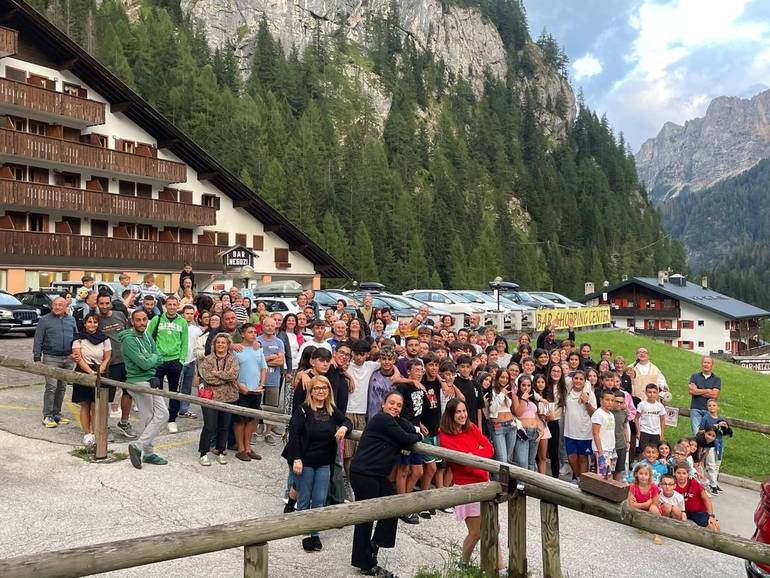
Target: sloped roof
[(694, 294), (52, 45)]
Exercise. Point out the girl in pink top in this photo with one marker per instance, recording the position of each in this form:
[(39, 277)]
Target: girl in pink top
[(643, 494)]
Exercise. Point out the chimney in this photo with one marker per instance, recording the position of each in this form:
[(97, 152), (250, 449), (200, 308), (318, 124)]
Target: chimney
[(624, 278), (662, 278), (704, 282), (589, 288), (678, 279)]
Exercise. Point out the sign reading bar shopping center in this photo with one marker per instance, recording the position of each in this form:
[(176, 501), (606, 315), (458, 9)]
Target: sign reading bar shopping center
[(582, 317)]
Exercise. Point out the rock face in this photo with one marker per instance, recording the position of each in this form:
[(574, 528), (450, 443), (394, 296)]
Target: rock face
[(468, 43), (732, 137)]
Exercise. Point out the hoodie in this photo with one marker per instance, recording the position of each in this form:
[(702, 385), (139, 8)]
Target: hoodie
[(140, 354)]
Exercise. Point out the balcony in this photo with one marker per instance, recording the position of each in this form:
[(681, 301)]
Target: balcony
[(659, 333), (671, 313), (63, 153), (20, 97), (51, 249), (743, 334), (79, 201), (9, 41)]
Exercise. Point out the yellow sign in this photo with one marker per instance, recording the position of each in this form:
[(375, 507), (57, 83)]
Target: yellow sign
[(580, 317)]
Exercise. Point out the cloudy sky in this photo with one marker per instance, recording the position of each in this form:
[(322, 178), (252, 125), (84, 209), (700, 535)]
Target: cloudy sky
[(645, 62)]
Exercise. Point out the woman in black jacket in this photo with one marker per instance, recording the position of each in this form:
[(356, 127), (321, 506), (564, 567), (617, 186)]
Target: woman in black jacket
[(314, 430), (385, 436)]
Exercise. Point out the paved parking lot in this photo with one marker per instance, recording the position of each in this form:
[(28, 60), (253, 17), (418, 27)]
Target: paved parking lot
[(16, 346)]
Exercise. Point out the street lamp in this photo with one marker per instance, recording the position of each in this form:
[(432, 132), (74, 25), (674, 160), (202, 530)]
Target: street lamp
[(247, 272)]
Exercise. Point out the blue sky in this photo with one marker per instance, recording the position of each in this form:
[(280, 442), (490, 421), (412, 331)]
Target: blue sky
[(645, 62)]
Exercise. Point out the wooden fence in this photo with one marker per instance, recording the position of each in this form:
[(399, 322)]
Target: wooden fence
[(255, 534)]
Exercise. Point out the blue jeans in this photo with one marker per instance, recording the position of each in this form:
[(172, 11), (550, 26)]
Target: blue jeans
[(312, 488), (525, 452), (696, 417), (188, 372), (504, 440)]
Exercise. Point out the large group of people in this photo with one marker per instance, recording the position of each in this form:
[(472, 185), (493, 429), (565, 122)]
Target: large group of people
[(546, 406)]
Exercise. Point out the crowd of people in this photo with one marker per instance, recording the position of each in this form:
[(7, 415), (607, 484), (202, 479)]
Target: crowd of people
[(546, 406)]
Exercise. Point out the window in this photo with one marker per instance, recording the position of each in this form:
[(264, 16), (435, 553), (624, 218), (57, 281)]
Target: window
[(143, 232), (185, 235), (127, 188), (38, 222), (701, 322), (99, 228), (223, 239), (281, 255), (74, 90), (70, 180), (240, 239), (19, 124), (39, 175), (629, 323), (210, 201), (688, 324), (700, 344), (39, 128), (258, 242), (15, 74), (727, 325), (144, 190), (19, 172), (38, 80), (126, 146)]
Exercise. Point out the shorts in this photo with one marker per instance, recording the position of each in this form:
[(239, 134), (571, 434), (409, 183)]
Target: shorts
[(411, 459), (117, 372), (579, 447), (359, 423), (472, 510), (251, 400), (700, 518), (431, 441), (606, 462), (271, 395)]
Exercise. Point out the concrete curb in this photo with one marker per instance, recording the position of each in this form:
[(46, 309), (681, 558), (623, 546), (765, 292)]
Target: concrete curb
[(740, 482)]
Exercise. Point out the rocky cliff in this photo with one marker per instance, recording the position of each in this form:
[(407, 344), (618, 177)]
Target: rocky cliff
[(467, 42), (732, 137)]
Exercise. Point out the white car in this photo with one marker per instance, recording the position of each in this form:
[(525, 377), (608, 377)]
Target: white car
[(448, 300), (557, 298), (282, 305)]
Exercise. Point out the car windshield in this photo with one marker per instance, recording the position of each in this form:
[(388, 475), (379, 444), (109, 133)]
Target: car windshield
[(393, 302), (524, 296), (6, 299), (460, 298), (542, 299)]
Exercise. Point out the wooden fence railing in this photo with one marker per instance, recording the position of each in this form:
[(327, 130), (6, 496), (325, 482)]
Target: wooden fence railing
[(255, 534)]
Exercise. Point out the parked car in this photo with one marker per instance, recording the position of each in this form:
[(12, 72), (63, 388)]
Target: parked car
[(282, 305), (762, 532), (514, 293), (16, 317), (434, 312), (557, 298), (397, 307), (327, 300), (454, 303), (72, 287), (547, 303), (39, 300)]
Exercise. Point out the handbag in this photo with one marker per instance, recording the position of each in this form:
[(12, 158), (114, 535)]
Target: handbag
[(206, 393)]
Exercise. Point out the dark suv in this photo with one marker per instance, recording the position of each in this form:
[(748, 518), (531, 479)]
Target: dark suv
[(16, 317)]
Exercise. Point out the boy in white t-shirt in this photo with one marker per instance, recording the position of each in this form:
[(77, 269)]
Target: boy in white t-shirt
[(603, 430), (650, 418), (579, 406), (671, 501)]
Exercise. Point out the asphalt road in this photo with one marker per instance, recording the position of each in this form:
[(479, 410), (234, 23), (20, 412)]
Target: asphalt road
[(53, 500)]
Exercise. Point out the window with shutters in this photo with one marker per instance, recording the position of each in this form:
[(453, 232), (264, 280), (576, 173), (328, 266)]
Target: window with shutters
[(19, 124), (281, 255), (19, 172), (143, 232), (240, 239), (127, 146), (185, 197), (630, 323), (74, 224), (688, 324), (701, 322), (74, 90), (39, 175), (15, 74), (223, 239), (38, 128), (99, 228), (258, 242), (210, 201), (700, 344)]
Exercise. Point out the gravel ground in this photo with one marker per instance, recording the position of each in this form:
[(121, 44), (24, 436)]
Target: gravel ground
[(55, 501)]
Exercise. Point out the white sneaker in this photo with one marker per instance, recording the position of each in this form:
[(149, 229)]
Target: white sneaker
[(172, 427), (222, 458), (89, 440), (204, 461)]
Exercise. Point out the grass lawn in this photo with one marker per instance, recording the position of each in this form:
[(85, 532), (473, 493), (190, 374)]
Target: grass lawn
[(745, 394)]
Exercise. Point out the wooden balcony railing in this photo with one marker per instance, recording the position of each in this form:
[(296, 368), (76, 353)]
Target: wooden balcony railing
[(672, 312), (74, 154), (9, 41), (37, 98), (659, 333), (745, 333), (32, 248), (80, 201)]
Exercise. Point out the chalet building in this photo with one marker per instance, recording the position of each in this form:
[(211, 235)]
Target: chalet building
[(93, 179), (682, 314)]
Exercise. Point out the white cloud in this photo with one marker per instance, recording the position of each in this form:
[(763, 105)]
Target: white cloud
[(586, 66)]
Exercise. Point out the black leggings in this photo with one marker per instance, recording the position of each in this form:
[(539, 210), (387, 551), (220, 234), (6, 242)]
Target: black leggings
[(216, 425), (553, 447), (364, 556)]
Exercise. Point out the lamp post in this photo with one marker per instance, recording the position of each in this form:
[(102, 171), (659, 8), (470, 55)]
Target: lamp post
[(247, 272)]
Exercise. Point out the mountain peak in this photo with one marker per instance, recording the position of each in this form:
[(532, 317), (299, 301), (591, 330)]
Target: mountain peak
[(730, 138)]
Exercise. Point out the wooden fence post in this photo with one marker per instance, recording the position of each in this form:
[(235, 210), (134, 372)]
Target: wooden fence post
[(101, 411), (489, 535), (255, 561), (549, 532), (517, 536)]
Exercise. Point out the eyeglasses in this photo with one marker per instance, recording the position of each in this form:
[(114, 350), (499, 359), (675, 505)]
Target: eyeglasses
[(343, 354), (318, 388)]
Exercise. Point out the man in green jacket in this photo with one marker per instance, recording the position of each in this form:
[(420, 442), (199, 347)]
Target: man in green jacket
[(169, 331), (141, 357)]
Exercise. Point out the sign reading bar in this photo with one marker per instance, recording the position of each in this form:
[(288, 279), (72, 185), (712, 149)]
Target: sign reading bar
[(582, 317), (238, 257), (759, 364)]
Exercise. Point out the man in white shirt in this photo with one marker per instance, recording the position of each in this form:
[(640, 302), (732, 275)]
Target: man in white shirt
[(645, 373), (194, 331), (391, 325), (318, 328)]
